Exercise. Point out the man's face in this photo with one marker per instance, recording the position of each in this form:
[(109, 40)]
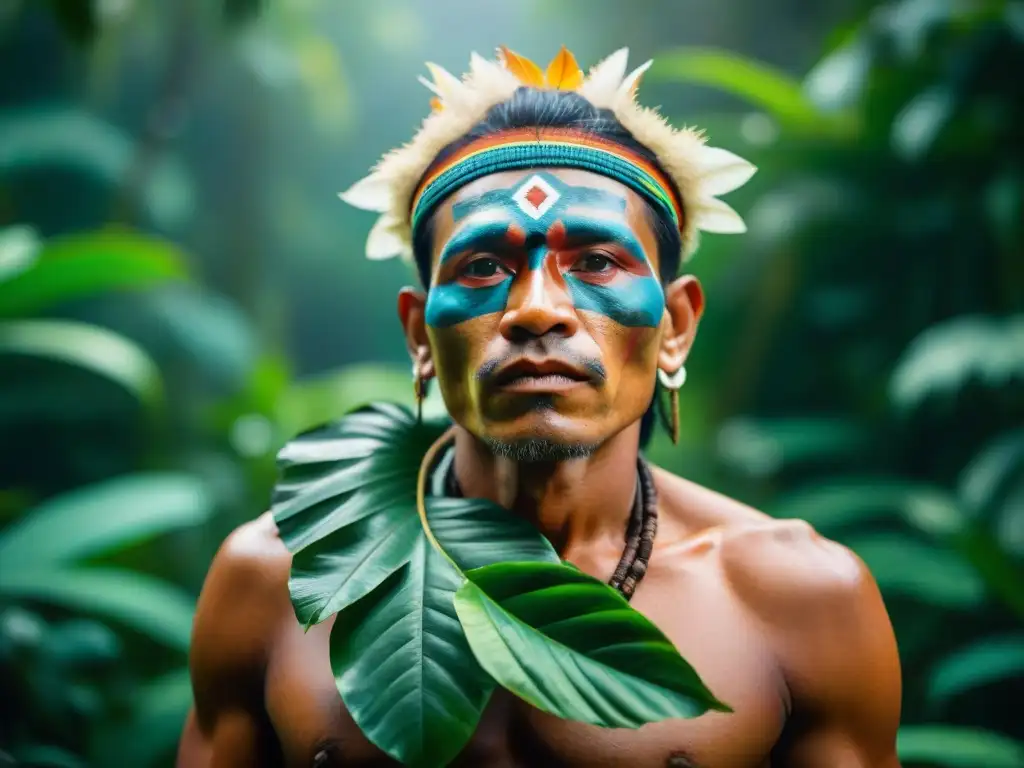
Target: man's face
[(545, 314)]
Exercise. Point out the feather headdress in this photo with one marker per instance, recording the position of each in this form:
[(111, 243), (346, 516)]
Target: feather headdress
[(701, 173)]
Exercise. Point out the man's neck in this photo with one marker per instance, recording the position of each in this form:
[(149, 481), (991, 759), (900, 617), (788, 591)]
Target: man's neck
[(574, 503)]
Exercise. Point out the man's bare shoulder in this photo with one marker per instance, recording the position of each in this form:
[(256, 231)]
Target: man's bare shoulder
[(780, 568), (791, 574), (253, 556), (244, 598)]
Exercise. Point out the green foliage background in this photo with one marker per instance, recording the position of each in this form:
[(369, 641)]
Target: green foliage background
[(181, 291)]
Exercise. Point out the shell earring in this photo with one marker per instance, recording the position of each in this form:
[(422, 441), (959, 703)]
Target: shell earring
[(673, 383)]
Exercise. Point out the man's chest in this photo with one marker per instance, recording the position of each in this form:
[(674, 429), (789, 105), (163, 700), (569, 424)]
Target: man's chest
[(700, 617)]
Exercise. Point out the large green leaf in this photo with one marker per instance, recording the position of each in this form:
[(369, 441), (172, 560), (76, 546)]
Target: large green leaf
[(152, 607), (403, 666), (750, 80), (988, 661), (572, 646), (101, 518), (89, 347), (85, 265), (346, 506), (475, 533), (954, 746)]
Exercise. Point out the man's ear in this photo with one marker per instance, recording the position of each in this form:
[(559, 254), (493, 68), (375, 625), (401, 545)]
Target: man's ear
[(411, 303), (684, 305)]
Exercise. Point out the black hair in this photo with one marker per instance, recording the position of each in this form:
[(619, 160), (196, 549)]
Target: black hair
[(535, 108)]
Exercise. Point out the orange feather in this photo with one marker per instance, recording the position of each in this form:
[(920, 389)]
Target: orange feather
[(436, 105), (520, 66), (563, 71)]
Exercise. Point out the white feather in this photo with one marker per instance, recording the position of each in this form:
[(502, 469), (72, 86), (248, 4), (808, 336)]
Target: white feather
[(712, 215), (446, 85), (372, 193), (428, 85), (605, 78), (634, 77), (721, 171), (385, 240), (480, 66)]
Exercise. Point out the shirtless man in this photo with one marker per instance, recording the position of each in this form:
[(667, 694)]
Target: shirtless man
[(544, 324)]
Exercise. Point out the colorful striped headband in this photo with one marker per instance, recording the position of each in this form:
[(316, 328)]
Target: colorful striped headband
[(528, 148)]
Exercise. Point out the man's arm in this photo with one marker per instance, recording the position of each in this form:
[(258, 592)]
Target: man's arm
[(241, 605), (836, 647), (846, 683)]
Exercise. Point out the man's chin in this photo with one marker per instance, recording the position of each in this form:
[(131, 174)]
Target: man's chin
[(530, 450), (541, 434)]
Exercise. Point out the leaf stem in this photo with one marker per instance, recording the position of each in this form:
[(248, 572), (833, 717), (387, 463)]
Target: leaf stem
[(421, 492)]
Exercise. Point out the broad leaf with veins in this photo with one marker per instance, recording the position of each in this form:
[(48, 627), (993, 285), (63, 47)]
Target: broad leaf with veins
[(428, 621)]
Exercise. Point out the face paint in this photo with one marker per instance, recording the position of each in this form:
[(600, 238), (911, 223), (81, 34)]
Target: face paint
[(535, 216)]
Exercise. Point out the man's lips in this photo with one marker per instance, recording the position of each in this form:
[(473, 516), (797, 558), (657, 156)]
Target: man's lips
[(525, 375)]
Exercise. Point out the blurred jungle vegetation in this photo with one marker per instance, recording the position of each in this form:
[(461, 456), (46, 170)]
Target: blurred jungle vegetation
[(181, 291)]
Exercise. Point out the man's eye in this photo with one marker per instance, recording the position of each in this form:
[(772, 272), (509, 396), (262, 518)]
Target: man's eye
[(593, 262), (484, 267)]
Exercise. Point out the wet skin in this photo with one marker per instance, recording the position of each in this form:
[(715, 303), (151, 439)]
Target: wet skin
[(553, 326)]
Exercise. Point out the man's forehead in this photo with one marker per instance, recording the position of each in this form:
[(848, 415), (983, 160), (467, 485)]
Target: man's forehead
[(494, 199), (493, 196)]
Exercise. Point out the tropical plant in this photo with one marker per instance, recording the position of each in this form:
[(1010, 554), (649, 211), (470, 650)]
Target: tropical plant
[(890, 221), (75, 587), (858, 364)]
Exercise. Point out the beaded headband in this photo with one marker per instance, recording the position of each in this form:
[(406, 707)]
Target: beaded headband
[(404, 188), (526, 148)]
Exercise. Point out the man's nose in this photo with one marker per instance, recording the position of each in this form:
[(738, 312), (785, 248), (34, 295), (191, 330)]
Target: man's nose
[(539, 303)]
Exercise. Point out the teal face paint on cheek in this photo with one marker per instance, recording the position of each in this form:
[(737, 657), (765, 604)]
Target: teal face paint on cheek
[(451, 303), (631, 299)]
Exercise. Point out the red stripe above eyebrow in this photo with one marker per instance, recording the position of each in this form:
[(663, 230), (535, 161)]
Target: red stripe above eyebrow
[(516, 235), (557, 236)]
